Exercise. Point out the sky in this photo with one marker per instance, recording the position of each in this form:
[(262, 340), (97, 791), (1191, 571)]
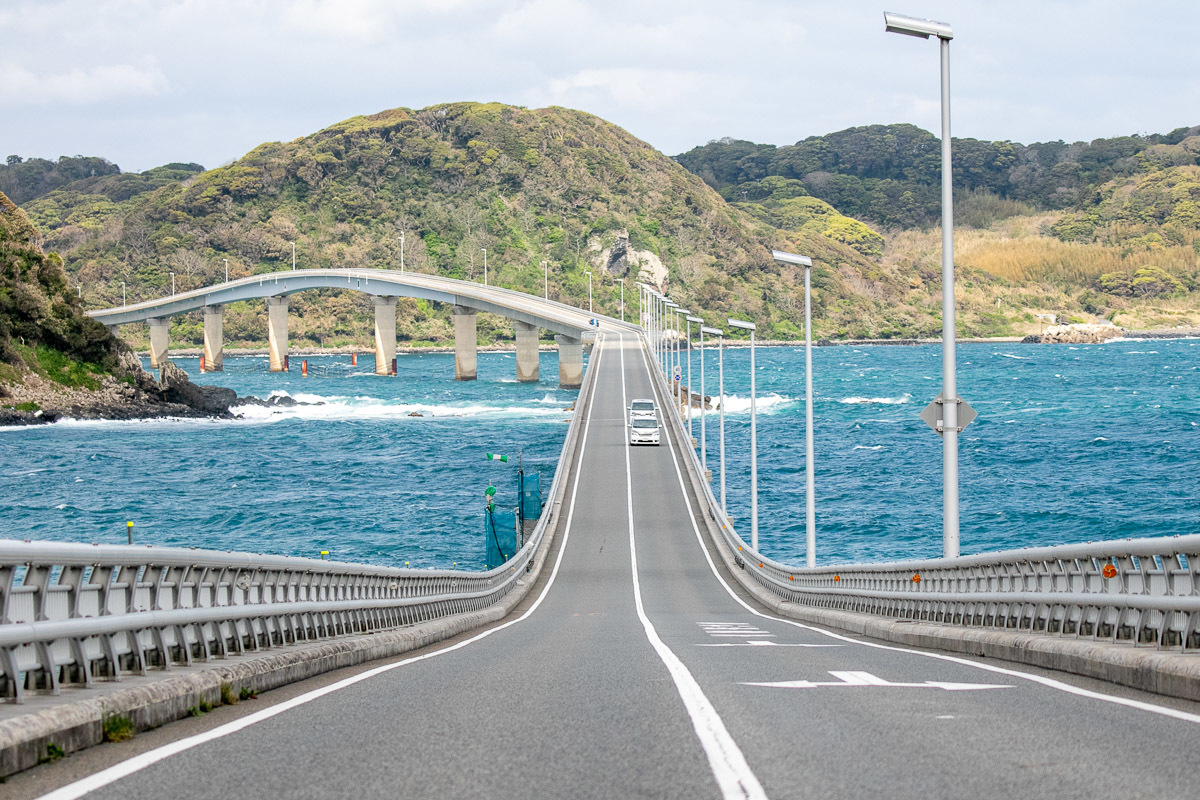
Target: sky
[(148, 82)]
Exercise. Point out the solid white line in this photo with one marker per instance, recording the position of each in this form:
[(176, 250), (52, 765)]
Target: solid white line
[(125, 768), (733, 775), (1048, 682)]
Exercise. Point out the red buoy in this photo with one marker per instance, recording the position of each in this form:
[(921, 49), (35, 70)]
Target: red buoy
[(304, 368), (202, 364), (354, 359), (393, 366)]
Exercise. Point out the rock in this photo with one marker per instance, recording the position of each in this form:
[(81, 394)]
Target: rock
[(133, 366), (1081, 333), (176, 387), (1032, 338), (415, 414)]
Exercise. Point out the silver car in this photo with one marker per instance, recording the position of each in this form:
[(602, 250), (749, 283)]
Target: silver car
[(643, 430)]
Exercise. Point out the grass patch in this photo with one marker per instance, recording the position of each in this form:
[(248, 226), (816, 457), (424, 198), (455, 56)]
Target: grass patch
[(53, 753), (227, 695), (30, 407), (59, 367), (118, 728), (247, 693)]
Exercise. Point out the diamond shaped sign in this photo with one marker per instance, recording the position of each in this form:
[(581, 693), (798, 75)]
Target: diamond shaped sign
[(932, 415)]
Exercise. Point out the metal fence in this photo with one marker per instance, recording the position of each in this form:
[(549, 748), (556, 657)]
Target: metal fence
[(1145, 592), (75, 613)]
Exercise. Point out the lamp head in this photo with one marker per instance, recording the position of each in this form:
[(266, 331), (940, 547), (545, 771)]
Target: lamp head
[(695, 319), (739, 323), (713, 331), (915, 26), (791, 258)]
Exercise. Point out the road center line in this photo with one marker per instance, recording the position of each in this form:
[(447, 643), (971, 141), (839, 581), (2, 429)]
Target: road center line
[(1048, 682), (732, 773), (126, 768)]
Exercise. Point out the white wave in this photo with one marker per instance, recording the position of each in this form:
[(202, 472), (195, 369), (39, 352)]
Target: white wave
[(1100, 439), (868, 447), (736, 404), (1010, 355), (366, 407), (883, 401), (60, 506)]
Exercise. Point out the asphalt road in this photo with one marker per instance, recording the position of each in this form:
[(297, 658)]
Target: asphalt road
[(639, 673)]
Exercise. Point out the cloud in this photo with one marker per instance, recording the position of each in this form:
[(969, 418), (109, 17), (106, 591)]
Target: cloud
[(628, 86), (80, 87)]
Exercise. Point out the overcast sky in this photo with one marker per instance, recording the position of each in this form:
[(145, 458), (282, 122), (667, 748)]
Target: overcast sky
[(146, 82)]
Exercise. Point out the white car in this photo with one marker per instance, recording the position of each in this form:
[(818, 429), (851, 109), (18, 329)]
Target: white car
[(643, 430), (642, 408)]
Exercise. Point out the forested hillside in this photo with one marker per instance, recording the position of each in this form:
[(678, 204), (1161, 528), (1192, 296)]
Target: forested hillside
[(1106, 229)]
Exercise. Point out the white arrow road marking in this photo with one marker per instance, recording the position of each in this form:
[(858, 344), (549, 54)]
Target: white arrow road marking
[(763, 644), (867, 679)]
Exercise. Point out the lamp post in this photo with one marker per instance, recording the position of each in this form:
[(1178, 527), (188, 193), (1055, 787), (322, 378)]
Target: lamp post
[(293, 256), (703, 426), (698, 321), (622, 281), (721, 393), (226, 260), (749, 326), (484, 249), (589, 274), (810, 514), (172, 283), (122, 293), (401, 252), (680, 315), (949, 417), (546, 280)]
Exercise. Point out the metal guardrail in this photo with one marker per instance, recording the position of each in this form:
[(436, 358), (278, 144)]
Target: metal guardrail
[(1145, 592), (75, 613)]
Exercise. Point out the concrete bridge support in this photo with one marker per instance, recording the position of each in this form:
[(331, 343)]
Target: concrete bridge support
[(158, 341), (466, 341), (385, 334), (570, 362), (115, 330), (527, 351), (277, 331), (214, 338)]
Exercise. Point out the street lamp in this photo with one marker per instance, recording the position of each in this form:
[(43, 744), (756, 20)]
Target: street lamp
[(949, 399), (546, 280), (293, 244), (680, 315), (721, 393), (172, 283), (810, 515), (226, 260), (703, 426), (122, 293), (749, 326), (401, 252), (484, 249), (698, 321), (717, 332), (622, 281), (589, 274)]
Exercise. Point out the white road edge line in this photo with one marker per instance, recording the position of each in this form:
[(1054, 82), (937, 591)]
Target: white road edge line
[(126, 768), (732, 773), (1048, 682)]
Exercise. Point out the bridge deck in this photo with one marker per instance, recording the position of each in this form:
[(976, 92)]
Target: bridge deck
[(634, 675)]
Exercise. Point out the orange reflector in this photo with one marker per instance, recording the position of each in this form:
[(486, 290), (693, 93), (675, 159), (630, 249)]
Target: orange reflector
[(1109, 571), (791, 578), (760, 565), (739, 547), (837, 578), (916, 578)]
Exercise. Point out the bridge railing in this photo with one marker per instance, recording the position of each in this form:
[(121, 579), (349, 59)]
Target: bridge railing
[(75, 613), (1145, 592)]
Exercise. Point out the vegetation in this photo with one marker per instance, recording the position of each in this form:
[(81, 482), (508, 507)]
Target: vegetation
[(118, 728), (1103, 229), (42, 327)]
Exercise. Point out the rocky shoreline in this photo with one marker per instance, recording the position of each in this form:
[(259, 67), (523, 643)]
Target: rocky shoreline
[(137, 396)]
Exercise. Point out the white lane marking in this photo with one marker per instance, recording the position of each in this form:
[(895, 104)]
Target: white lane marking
[(1047, 682), (126, 768), (764, 644), (867, 679), (725, 759)]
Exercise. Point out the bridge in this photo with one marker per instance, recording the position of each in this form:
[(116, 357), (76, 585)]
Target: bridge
[(636, 646), (466, 299)]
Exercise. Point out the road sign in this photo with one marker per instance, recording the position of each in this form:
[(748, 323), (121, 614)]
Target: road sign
[(932, 415), (845, 679), (678, 376)]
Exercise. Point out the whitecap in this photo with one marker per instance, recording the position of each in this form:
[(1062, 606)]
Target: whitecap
[(736, 404), (867, 447), (883, 401), (1010, 355), (60, 506)]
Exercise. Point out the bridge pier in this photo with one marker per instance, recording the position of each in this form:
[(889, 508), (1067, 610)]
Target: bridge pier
[(214, 338), (466, 341), (277, 331), (115, 330), (159, 326), (385, 334), (527, 351), (570, 362)]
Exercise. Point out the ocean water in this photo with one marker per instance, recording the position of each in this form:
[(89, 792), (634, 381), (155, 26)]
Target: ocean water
[(354, 475), (1072, 444)]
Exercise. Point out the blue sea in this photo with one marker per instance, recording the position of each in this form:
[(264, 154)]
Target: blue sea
[(1072, 444)]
